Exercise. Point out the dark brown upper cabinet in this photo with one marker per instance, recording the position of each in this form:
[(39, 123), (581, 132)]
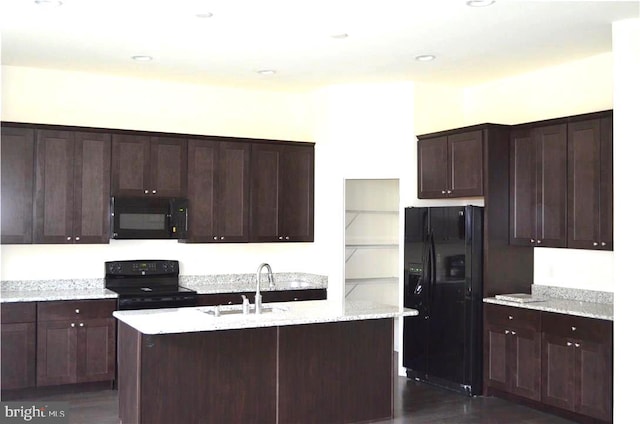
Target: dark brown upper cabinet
[(71, 200), (450, 165), (218, 181), (590, 189), (282, 196), (149, 165), (538, 185), (17, 184)]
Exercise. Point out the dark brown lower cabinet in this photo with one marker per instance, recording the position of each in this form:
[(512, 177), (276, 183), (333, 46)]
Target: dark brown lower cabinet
[(577, 365), (314, 373), (512, 340), (18, 345), (76, 342), (556, 362)]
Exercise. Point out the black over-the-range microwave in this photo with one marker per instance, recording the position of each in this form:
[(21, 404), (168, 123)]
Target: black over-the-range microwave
[(149, 217)]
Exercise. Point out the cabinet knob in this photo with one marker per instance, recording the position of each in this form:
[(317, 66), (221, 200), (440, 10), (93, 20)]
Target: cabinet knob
[(539, 241), (506, 331), (577, 345), (295, 299), (280, 238), (215, 237), (73, 324), (444, 191), (532, 241), (153, 191), (146, 192), (286, 238), (77, 311), (77, 238), (448, 191), (222, 238), (595, 243), (510, 316), (569, 344), (513, 333), (603, 244), (68, 238), (81, 324), (573, 328)]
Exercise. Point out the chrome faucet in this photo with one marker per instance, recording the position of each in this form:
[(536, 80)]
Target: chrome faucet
[(271, 284)]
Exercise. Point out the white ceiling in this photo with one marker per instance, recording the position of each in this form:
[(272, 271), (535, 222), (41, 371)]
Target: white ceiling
[(294, 37)]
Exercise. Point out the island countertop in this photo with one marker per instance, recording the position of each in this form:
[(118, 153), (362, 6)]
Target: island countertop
[(197, 319)]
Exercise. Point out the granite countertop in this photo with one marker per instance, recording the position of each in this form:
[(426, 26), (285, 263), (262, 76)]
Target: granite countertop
[(196, 319), (78, 289), (584, 303)]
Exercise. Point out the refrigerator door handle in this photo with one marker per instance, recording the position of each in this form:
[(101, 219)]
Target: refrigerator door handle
[(432, 268)]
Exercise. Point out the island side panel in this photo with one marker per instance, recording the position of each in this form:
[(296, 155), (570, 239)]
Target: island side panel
[(336, 372), (226, 376), (128, 374)]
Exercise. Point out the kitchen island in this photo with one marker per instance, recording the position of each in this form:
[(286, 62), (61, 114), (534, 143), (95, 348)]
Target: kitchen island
[(311, 362)]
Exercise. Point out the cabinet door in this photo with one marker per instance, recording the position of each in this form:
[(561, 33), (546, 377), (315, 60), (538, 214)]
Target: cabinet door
[(465, 164), (17, 185), (551, 143), (497, 354), (18, 355), (523, 188), (202, 190), (167, 167), (296, 195), (526, 363), (129, 155), (96, 350), (57, 353), (231, 207), (265, 188), (590, 200), (433, 168), (558, 371), (53, 210), (594, 383), (92, 187)]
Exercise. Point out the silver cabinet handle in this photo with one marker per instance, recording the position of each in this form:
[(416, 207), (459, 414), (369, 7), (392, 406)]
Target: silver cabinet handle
[(532, 241), (286, 238), (68, 238), (280, 238), (73, 324), (146, 192), (510, 316), (77, 238), (222, 238), (513, 333), (573, 328), (81, 324), (595, 243), (444, 191), (448, 191), (577, 344), (603, 244), (569, 344), (215, 237), (539, 241), (153, 191), (506, 331), (77, 311)]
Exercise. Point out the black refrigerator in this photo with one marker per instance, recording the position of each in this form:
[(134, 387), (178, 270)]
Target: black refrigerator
[(442, 345)]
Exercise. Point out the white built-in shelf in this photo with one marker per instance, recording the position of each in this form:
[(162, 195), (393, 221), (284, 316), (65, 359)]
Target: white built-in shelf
[(357, 212), (353, 283)]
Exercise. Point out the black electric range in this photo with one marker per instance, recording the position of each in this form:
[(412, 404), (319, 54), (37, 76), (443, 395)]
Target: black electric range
[(147, 284)]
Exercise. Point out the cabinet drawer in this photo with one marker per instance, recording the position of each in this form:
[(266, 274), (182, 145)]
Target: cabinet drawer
[(18, 312), (526, 319), (576, 327), (74, 309)]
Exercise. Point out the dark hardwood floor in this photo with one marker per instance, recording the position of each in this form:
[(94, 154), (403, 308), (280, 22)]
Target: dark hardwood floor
[(415, 403)]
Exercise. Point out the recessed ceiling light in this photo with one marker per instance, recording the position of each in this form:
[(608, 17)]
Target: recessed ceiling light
[(339, 35), (267, 72), (204, 15), (142, 58), (48, 3), (480, 3), (425, 58)]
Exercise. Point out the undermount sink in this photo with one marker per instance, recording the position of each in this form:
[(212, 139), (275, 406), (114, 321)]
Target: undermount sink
[(221, 311)]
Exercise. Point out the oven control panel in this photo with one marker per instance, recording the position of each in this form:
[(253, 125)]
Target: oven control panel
[(142, 267)]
